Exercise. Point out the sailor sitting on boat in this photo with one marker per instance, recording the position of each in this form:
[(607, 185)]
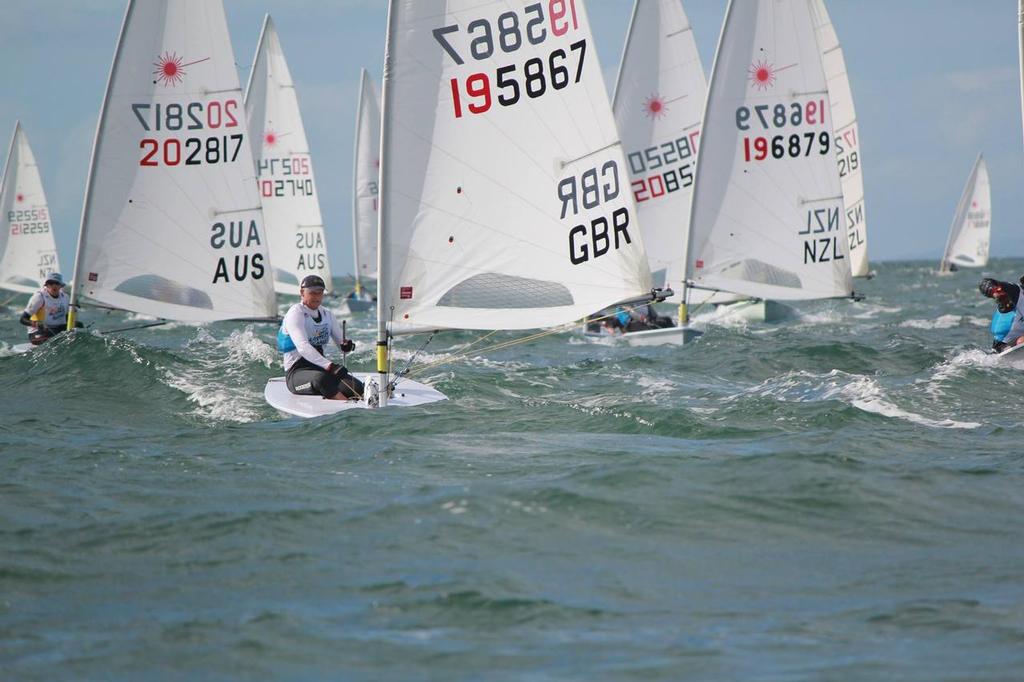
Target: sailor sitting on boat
[(1009, 303), (622, 320), (46, 314), (306, 329)]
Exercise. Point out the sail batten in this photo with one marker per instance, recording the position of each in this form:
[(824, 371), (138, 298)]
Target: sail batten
[(171, 224)]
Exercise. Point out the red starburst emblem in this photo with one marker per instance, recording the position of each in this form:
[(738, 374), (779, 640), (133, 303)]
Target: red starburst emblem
[(170, 68), (762, 74), (654, 106), (19, 197), (270, 138)]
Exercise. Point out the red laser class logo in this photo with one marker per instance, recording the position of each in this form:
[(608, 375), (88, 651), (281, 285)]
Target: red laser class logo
[(762, 74), (270, 138), (19, 197), (170, 68), (654, 107)]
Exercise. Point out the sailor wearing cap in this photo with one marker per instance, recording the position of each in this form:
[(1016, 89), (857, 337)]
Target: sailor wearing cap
[(306, 329), (46, 314)]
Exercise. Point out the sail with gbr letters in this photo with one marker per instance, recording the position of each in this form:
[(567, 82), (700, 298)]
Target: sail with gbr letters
[(27, 248), (172, 225), (505, 200), (969, 235), (847, 138), (767, 215), (284, 168), (365, 177)]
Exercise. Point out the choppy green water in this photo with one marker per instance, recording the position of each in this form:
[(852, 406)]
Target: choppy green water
[(834, 498)]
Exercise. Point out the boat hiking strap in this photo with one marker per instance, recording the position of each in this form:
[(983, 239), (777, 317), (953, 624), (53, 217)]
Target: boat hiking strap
[(512, 342)]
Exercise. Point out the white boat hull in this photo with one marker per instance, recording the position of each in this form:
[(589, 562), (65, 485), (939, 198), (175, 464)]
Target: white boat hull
[(757, 311), (1012, 353), (407, 393), (669, 336), (22, 348)]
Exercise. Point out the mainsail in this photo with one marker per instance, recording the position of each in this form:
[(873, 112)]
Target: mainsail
[(171, 225), (284, 168), (365, 178), (505, 200), (972, 225), (27, 248), (658, 104), (767, 216), (847, 138)]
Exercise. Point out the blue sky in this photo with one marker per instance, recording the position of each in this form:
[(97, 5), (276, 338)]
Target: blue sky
[(935, 82)]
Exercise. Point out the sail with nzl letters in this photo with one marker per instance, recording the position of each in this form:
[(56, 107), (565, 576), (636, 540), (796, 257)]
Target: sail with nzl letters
[(172, 225), (767, 215), (284, 168), (27, 248)]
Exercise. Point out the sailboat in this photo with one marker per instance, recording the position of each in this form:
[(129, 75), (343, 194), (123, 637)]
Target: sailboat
[(284, 168), (967, 245), (171, 225), (505, 200), (766, 218), (365, 192), (27, 248), (847, 139)]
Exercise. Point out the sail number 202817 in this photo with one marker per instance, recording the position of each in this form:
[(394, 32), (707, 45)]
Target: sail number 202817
[(509, 33), (196, 117)]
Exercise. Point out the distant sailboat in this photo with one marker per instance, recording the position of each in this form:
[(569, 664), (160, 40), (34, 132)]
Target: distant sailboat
[(27, 248), (171, 225), (365, 192), (847, 139), (291, 207), (505, 200), (767, 217), (967, 245)]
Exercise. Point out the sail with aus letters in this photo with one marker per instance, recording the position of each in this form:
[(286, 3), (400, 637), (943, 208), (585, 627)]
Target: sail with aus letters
[(284, 168), (172, 225), (767, 217), (27, 248)]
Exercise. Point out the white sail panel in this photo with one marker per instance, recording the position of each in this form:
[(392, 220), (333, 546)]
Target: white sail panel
[(284, 168), (972, 225), (767, 211), (505, 199), (658, 104), (27, 248), (847, 138), (366, 176), (172, 225)]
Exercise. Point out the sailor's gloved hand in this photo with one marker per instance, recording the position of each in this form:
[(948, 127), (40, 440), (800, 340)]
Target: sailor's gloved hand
[(999, 346), (336, 370), (347, 346)]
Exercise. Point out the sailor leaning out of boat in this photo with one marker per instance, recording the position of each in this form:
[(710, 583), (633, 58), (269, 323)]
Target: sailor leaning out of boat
[(46, 314), (1008, 321), (306, 329)]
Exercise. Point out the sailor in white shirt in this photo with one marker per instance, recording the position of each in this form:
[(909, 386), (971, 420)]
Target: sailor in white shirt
[(306, 329), (46, 314)]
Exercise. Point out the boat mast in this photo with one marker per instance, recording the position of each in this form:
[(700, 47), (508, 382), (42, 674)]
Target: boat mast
[(1020, 51), (384, 302), (355, 180)]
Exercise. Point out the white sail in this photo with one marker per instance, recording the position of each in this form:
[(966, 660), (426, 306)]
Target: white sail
[(27, 248), (847, 138), (767, 211), (972, 224), (658, 104), (505, 199), (171, 225), (284, 168), (365, 176)]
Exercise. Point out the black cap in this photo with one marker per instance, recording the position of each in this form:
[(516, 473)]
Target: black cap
[(312, 282)]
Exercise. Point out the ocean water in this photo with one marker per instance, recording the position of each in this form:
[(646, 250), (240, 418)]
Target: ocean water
[(836, 497)]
